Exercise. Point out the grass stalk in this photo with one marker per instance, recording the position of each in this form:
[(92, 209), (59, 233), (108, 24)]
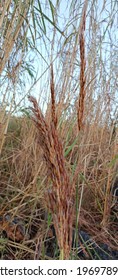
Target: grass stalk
[(60, 196)]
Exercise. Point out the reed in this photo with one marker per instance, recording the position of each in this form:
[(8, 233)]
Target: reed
[(78, 137), (82, 93), (59, 196)]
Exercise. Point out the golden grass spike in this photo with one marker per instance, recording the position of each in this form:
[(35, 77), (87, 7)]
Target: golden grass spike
[(80, 112), (60, 197)]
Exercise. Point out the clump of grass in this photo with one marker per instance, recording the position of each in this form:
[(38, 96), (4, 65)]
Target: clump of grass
[(60, 196)]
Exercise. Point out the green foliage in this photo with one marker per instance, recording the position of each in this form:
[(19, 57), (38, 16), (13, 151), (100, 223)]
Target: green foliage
[(43, 17)]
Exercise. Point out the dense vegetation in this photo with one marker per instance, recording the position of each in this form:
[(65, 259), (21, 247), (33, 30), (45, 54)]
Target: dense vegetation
[(58, 128)]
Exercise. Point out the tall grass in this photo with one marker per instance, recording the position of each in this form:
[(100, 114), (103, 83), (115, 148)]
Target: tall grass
[(60, 195), (62, 164)]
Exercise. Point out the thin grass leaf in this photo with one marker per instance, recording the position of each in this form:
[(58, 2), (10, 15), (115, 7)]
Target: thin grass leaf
[(32, 35), (42, 16), (52, 8), (34, 22), (70, 147), (49, 219), (49, 20)]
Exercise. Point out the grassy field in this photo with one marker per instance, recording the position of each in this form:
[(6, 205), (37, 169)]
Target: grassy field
[(28, 189), (59, 166)]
